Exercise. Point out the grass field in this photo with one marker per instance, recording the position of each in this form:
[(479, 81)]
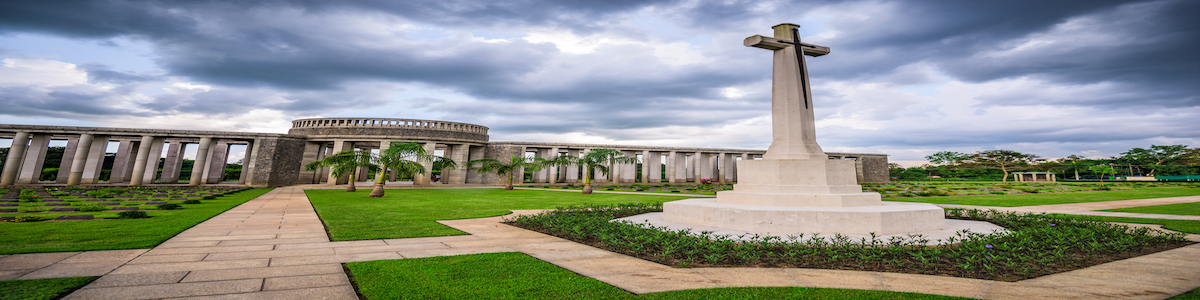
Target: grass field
[(409, 213), (115, 234), (39, 289), (1056, 198), (1191, 209), (519, 276)]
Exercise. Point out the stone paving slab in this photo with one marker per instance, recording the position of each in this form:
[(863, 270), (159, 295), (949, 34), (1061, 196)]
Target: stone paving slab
[(64, 264)]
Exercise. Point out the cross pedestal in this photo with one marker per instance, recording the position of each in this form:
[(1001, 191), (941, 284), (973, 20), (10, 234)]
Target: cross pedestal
[(796, 188)]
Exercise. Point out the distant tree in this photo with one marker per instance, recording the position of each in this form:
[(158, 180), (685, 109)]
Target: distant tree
[(597, 159), (1073, 163), (1003, 160), (946, 158), (1156, 156), (510, 167), (1102, 170)]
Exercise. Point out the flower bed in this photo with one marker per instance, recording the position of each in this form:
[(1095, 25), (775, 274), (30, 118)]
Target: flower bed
[(1035, 245)]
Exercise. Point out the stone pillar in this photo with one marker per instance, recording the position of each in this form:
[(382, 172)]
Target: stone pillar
[(541, 175), (858, 170), (457, 153), (629, 171), (122, 162), (201, 161), (216, 165), (672, 162), (475, 152), (338, 147), (423, 179), (156, 149), (139, 163), (12, 164), (64, 166), (246, 163), (552, 171), (737, 172), (172, 166), (250, 164), (572, 170), (95, 160), (35, 156)]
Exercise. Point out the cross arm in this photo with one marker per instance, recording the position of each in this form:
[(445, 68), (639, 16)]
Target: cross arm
[(771, 43)]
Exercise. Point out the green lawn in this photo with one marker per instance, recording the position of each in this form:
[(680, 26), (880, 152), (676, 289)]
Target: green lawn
[(519, 276), (1056, 198), (116, 234), (1187, 226), (38, 289), (1191, 209), (1190, 295), (406, 213)]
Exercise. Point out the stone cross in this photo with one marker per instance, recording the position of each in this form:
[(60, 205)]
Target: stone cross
[(792, 122)]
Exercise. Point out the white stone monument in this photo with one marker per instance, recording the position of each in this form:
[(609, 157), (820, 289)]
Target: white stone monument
[(796, 188)]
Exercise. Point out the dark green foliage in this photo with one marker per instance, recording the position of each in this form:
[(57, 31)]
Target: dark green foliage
[(38, 289), (92, 208), (168, 206), (210, 197), (191, 201), (1037, 244), (133, 214)]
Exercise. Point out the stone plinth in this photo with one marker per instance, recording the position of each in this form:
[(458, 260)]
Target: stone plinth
[(792, 196)]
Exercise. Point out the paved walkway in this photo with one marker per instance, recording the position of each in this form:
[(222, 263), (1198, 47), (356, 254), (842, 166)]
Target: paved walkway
[(275, 247)]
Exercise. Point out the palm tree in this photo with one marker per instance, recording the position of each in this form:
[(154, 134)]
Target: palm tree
[(405, 158), (515, 164), (343, 162), (597, 159)]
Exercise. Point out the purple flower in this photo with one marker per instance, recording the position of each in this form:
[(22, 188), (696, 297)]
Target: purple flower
[(989, 246), (1052, 224)]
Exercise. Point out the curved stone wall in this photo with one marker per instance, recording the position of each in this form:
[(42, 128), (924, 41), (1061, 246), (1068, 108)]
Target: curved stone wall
[(376, 128)]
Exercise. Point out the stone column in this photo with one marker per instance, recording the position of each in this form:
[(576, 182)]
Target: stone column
[(35, 156), (95, 160), (139, 164), (12, 164), (201, 161), (246, 163), (423, 179), (572, 171), (552, 173), (171, 166), (156, 149), (250, 164), (216, 164), (457, 153), (540, 175), (122, 163), (475, 152), (672, 161), (629, 171), (338, 147), (64, 166)]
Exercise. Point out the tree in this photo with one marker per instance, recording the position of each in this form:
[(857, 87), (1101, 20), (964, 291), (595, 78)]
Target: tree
[(1003, 160), (1074, 163), (598, 159), (343, 162), (946, 158), (404, 158), (515, 165), (1102, 170), (1156, 156)]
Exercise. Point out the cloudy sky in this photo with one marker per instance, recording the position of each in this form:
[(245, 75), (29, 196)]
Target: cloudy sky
[(905, 78)]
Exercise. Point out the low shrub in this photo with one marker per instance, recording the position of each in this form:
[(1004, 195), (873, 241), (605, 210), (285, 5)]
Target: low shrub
[(1035, 245), (168, 206), (132, 214), (191, 201), (210, 197), (30, 218)]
